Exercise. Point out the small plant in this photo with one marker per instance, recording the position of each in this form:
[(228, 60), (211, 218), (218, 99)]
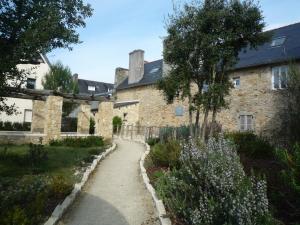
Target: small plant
[(167, 154), (92, 126), (152, 141), (36, 154), (211, 188), (60, 187), (117, 123)]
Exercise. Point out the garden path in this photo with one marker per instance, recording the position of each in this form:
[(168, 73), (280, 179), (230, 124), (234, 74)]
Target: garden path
[(115, 194)]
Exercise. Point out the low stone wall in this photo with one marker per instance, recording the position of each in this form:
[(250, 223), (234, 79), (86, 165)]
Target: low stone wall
[(19, 138)]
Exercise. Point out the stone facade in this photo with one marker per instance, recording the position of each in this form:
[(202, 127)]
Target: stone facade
[(38, 117), (129, 114), (53, 114), (152, 108), (104, 120), (254, 97), (84, 115)]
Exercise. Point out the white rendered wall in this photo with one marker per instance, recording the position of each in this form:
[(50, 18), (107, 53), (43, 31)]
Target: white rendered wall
[(37, 72)]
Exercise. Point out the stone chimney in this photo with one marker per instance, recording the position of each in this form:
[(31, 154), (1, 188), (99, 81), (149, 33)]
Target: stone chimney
[(120, 75), (75, 77), (136, 66)]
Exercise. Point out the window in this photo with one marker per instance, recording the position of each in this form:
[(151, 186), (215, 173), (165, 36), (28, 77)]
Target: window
[(91, 88), (278, 42), (28, 116), (246, 122), (236, 82), (279, 77), (179, 111), (154, 70), (30, 84)]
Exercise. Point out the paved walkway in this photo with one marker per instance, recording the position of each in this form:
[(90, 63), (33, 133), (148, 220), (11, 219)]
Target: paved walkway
[(115, 194)]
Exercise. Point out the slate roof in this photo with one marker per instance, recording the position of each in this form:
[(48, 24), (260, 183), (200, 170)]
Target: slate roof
[(266, 54), (263, 55), (100, 87)]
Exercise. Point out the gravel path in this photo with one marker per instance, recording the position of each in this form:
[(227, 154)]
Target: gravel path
[(115, 194)]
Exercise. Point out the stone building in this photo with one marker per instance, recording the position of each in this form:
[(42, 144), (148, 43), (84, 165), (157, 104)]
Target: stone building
[(256, 100)]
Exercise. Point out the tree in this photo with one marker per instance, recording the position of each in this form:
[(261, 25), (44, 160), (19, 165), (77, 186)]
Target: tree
[(29, 28), (202, 47), (59, 78)]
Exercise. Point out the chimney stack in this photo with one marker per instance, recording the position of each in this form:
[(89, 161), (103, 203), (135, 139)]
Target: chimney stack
[(120, 75), (136, 66), (75, 77)]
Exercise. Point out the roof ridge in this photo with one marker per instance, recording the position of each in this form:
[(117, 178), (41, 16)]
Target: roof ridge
[(94, 81), (154, 61), (273, 29)]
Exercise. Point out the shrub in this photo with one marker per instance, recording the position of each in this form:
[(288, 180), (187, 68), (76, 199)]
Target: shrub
[(167, 154), (91, 141), (9, 126), (92, 126), (211, 188), (251, 145), (36, 154), (117, 123), (177, 133), (152, 141), (59, 187)]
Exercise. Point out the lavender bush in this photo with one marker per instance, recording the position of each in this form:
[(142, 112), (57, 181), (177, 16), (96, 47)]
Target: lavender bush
[(211, 187)]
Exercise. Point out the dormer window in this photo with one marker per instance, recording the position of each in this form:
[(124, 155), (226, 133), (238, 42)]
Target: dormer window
[(278, 42), (236, 82), (91, 88), (31, 83)]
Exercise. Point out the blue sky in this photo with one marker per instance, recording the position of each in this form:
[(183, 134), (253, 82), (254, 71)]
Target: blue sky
[(119, 26)]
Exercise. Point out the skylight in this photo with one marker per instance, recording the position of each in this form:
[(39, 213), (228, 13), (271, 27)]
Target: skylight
[(154, 70), (278, 41)]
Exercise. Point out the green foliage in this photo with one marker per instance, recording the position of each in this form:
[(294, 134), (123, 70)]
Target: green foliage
[(250, 145), (23, 36), (36, 155), (59, 187), (9, 126), (153, 141), (167, 154), (92, 126), (117, 123), (90, 141), (202, 46), (211, 187)]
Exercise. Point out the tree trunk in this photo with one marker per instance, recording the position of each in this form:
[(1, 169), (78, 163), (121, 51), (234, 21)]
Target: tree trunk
[(213, 122), (204, 125), (197, 123), (191, 123)]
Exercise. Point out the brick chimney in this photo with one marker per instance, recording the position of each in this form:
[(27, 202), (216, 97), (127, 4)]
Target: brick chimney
[(136, 66), (120, 75)]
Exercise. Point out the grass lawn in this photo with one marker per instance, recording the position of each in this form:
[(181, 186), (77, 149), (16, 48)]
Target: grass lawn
[(32, 183)]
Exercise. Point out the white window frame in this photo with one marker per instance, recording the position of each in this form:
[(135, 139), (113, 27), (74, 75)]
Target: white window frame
[(247, 126), (27, 110), (234, 79), (91, 88), (280, 70)]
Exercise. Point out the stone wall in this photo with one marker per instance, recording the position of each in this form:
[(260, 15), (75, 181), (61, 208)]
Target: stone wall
[(254, 97), (53, 113), (38, 117), (131, 112), (104, 120), (20, 138), (83, 121), (153, 110)]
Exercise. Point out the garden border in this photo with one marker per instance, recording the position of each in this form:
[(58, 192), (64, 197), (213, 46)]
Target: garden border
[(61, 208), (160, 207)]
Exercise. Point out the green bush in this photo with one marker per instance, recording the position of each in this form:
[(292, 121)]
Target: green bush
[(117, 123), (166, 154), (59, 187), (36, 155), (152, 141), (211, 188), (91, 141), (251, 145), (92, 126), (9, 126)]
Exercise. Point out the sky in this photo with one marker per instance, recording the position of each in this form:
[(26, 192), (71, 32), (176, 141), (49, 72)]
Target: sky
[(118, 27)]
